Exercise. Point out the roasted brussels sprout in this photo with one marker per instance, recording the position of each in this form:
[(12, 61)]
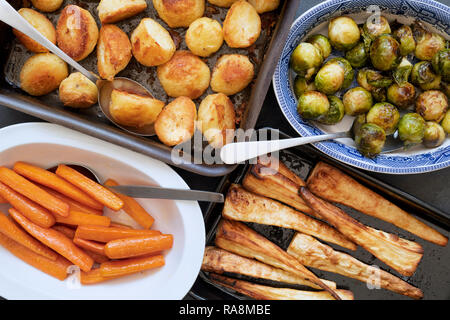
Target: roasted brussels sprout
[(330, 78), (434, 135), (361, 78), (411, 128), (312, 104), (301, 85), (306, 59), (358, 55), (356, 101), (377, 80), (432, 105), (370, 139), (357, 124), (322, 43), (343, 33), (441, 64), (385, 53), (446, 122), (335, 113), (378, 93), (384, 115), (376, 26), (348, 70), (424, 76), (405, 38), (427, 43), (401, 95), (402, 72)]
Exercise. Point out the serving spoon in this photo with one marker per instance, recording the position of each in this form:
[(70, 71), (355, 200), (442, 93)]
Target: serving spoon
[(11, 17)]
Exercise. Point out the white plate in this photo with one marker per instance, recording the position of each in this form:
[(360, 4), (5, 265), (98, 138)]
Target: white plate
[(46, 145)]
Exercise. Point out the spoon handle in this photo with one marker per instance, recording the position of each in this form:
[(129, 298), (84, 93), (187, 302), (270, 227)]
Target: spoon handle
[(241, 151), (11, 17)]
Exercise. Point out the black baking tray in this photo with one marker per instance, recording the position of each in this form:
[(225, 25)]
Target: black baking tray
[(264, 54), (432, 275)]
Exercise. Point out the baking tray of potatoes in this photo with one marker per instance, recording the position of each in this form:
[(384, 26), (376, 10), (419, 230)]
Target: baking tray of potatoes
[(263, 55), (256, 240)]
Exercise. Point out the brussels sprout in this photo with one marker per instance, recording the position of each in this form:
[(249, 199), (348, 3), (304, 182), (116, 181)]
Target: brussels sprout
[(322, 43), (384, 115), (358, 55), (435, 84), (370, 139), (385, 53), (335, 113), (348, 70), (376, 26), (361, 78), (379, 94), (356, 101), (446, 122), (357, 124), (411, 128), (432, 105), (441, 64), (423, 74), (434, 135), (301, 85), (330, 78), (312, 104), (445, 88), (404, 36), (402, 72), (401, 95), (306, 59), (343, 33), (427, 43), (377, 80)]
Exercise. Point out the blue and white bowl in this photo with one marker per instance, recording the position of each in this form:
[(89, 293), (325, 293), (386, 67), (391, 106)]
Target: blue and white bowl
[(419, 159)]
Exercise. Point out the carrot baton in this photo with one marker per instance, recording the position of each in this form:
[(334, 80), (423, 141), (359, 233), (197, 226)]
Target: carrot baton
[(77, 218), (55, 240), (3, 200), (92, 277), (120, 225), (36, 213), (52, 181), (74, 205), (69, 233), (89, 245), (57, 268), (104, 234), (129, 266), (138, 246), (33, 192), (92, 188), (98, 258), (10, 229)]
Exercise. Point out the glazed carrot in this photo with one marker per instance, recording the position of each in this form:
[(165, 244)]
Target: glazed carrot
[(133, 208), (74, 205), (120, 225), (3, 200), (92, 188), (92, 246), (138, 246), (103, 234), (33, 192), (92, 277), (69, 233), (57, 268), (128, 266), (77, 218), (37, 214), (55, 240), (10, 229), (52, 181), (98, 258)]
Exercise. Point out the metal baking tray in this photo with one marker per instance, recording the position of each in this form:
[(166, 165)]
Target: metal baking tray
[(431, 276), (264, 54)]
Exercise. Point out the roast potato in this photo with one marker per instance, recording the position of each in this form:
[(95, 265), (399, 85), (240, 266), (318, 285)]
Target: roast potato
[(42, 73), (204, 36), (262, 6), (231, 74), (152, 45), (113, 51), (42, 24), (216, 119), (47, 5), (184, 75), (134, 110), (242, 25), (76, 32), (222, 3), (176, 122), (77, 91), (179, 13), (110, 11)]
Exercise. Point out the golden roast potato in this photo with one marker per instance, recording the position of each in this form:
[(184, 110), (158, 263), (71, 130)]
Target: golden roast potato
[(262, 6), (184, 75), (110, 11), (113, 51), (242, 25), (47, 5), (222, 3), (231, 74), (204, 36), (152, 45), (179, 13), (176, 122), (42, 73), (77, 91), (42, 24), (76, 32), (216, 119), (134, 110)]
